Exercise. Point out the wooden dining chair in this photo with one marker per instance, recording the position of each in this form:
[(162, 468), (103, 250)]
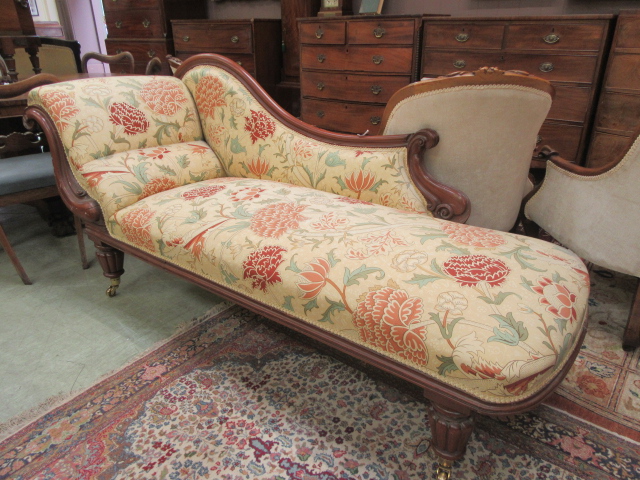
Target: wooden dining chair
[(120, 63), (26, 171), (174, 63), (154, 67)]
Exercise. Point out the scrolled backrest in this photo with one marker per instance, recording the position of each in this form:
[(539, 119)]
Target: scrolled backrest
[(488, 122), (251, 142)]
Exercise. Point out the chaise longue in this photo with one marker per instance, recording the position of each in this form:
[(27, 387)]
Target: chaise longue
[(343, 238)]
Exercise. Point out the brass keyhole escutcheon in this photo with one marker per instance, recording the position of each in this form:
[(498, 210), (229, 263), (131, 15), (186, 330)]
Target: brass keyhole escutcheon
[(151, 53), (375, 120), (546, 67), (118, 23), (321, 57), (377, 59), (319, 33), (320, 86), (376, 89), (459, 64), (235, 39), (462, 37), (320, 113), (551, 38), (146, 22), (186, 38), (379, 32)]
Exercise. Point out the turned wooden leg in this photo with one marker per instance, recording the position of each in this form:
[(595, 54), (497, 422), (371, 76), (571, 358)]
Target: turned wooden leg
[(450, 432), (111, 260), (631, 337), (77, 222), (4, 242)]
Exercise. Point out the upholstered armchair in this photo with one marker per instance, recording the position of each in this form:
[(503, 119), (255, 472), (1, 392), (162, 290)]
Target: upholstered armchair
[(487, 122), (596, 213)]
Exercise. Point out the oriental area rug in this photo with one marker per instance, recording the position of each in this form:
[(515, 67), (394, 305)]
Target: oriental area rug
[(236, 397)]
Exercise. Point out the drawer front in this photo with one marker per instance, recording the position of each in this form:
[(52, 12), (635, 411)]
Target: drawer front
[(342, 117), (351, 87), (564, 139), (135, 23), (436, 63), (560, 68), (605, 147), (111, 5), (624, 72), (245, 61), (464, 36), (571, 103), (142, 51), (544, 36), (627, 31), (213, 37), (323, 33), (389, 32), (618, 111), (358, 59)]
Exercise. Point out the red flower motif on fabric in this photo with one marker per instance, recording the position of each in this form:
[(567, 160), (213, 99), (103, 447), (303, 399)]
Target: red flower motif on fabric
[(157, 185), (592, 385), (203, 192), (199, 149), (473, 236), (389, 319), (61, 106), (132, 119), (360, 181), (262, 266), (258, 167), (246, 194), (136, 226), (469, 270), (259, 126), (274, 220), (315, 278), (156, 153), (209, 95), (557, 298), (163, 97), (353, 200)]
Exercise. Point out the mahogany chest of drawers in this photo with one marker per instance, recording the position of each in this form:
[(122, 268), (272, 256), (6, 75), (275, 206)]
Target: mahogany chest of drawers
[(350, 67), (255, 44), (618, 114), (566, 50), (143, 27)]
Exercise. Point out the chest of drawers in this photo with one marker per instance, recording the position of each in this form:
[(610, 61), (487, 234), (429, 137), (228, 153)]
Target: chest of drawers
[(566, 50), (350, 67), (255, 44), (143, 27)]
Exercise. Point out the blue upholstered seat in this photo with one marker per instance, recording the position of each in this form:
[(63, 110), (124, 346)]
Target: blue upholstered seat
[(26, 172)]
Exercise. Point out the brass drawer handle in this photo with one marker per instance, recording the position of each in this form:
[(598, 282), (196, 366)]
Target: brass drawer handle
[(186, 38), (239, 63), (462, 37), (320, 113), (379, 32), (319, 33), (376, 89), (146, 22), (118, 23), (551, 38), (377, 59), (320, 86), (151, 53), (546, 67), (538, 140), (235, 39), (459, 64), (118, 51), (322, 57), (375, 120)]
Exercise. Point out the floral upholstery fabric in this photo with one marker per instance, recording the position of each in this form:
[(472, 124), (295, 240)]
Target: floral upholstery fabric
[(251, 143), (492, 313), (100, 117)]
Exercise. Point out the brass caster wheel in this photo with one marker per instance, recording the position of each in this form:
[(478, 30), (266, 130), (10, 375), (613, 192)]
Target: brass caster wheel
[(444, 470), (111, 291)]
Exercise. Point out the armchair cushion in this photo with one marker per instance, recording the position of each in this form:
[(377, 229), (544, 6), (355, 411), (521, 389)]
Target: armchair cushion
[(26, 172)]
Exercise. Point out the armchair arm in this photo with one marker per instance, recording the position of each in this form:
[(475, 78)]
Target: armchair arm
[(546, 153)]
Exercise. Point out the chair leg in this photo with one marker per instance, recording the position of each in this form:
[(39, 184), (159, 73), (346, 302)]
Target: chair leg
[(80, 234), (631, 337), (4, 241), (111, 260), (450, 432)]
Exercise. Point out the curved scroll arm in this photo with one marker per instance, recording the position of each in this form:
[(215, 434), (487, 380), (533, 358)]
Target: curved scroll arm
[(443, 201), (124, 58), (73, 195)]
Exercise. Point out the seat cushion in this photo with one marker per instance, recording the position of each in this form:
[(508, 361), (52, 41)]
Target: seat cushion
[(491, 313), (26, 172)]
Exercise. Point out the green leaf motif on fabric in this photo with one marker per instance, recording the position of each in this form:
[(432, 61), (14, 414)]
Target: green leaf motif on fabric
[(521, 258), (310, 305), (422, 280), (241, 213), (510, 332), (167, 170), (377, 185), (236, 146), (262, 147), (447, 247), (557, 278), (287, 303), (140, 171), (445, 330), (333, 160), (332, 260), (499, 298), (562, 324), (164, 130), (232, 123), (196, 215), (430, 236), (161, 246), (363, 272), (197, 178), (341, 183), (115, 139), (131, 187), (526, 283), (446, 366), (90, 102), (333, 307), (229, 278), (142, 143), (183, 161)]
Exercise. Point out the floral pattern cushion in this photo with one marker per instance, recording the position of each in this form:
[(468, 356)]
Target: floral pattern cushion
[(492, 313), (100, 117), (251, 143)]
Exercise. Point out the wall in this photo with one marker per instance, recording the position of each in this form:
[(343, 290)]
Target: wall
[(47, 11), (244, 9)]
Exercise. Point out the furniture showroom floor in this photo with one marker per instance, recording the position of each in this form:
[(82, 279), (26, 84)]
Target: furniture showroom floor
[(63, 333)]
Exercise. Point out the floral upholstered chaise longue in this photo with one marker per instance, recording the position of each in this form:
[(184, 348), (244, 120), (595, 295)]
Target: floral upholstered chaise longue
[(339, 237)]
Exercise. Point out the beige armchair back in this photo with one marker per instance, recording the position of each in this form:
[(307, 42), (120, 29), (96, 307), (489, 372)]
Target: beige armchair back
[(487, 122)]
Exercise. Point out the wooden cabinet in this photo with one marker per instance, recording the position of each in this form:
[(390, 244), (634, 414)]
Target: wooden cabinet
[(566, 50), (143, 27), (350, 66), (254, 44), (618, 114)]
